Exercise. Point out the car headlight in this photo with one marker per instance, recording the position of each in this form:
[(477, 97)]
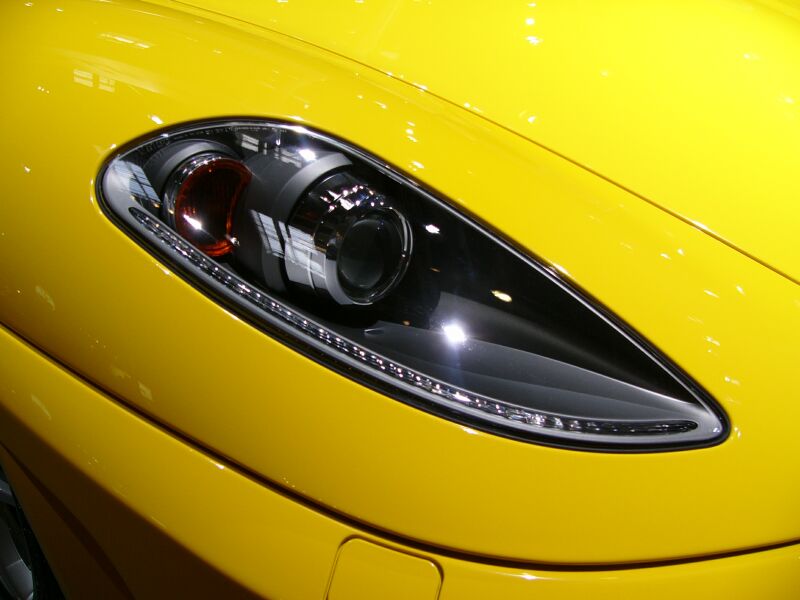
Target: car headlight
[(338, 255)]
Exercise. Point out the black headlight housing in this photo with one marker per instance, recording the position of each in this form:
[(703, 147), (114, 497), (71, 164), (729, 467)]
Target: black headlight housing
[(340, 256)]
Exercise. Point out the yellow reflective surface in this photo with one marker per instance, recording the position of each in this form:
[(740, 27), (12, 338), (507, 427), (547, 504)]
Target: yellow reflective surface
[(693, 104), (156, 518), (365, 570), (88, 78)]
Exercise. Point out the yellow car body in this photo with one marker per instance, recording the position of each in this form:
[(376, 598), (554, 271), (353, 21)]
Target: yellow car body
[(647, 152)]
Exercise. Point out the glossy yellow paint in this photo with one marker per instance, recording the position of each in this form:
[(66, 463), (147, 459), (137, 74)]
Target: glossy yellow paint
[(89, 77), (162, 517), (367, 570), (123, 509), (693, 104)]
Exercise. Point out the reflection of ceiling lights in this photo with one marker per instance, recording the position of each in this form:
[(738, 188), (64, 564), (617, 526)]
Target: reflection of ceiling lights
[(455, 334), (501, 296), (307, 155)]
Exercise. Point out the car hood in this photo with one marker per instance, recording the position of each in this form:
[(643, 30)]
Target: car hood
[(691, 105)]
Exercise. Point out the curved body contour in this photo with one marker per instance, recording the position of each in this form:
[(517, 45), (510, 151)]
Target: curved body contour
[(124, 356)]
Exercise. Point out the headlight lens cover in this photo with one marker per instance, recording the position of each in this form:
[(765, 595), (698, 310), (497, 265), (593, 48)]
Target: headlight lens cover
[(340, 256)]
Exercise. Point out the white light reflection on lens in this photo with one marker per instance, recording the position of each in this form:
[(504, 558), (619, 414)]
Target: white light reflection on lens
[(432, 229), (308, 155), (195, 223), (502, 296), (455, 334)]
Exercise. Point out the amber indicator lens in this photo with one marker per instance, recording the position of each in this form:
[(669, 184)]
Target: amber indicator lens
[(205, 201)]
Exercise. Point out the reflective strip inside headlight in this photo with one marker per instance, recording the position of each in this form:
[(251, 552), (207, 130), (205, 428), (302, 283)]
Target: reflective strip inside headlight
[(345, 259)]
